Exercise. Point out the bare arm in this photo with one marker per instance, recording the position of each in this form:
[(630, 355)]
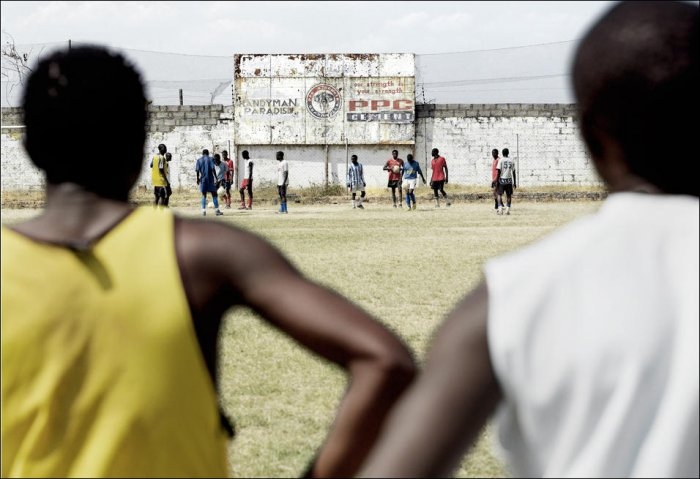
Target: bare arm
[(161, 169), (255, 274), (442, 413)]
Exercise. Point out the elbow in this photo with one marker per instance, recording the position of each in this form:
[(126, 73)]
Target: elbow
[(397, 368)]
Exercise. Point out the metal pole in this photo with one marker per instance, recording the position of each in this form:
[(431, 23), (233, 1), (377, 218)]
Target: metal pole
[(326, 168), (181, 103), (517, 159)]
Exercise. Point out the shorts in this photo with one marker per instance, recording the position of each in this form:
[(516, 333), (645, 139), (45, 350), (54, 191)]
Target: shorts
[(246, 183), (394, 184), (356, 188), (437, 184), (207, 186), (410, 183), (162, 191), (506, 188), (227, 185)]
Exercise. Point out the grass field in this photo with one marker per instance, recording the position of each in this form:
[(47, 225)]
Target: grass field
[(406, 268)]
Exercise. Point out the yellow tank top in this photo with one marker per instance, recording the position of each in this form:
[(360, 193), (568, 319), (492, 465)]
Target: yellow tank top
[(157, 178), (102, 374)]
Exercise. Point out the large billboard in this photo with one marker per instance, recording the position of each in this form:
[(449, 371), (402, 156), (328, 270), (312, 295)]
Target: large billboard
[(324, 99)]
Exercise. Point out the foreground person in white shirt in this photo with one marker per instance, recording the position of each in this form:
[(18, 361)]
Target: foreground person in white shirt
[(584, 345)]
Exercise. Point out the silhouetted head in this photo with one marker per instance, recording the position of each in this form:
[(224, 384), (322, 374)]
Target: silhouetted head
[(224, 153), (217, 158), (635, 75), (168, 156), (353, 158), (435, 152), (162, 149), (409, 157), (205, 152), (395, 153), (280, 155), (494, 153), (505, 152), (245, 154), (72, 99)]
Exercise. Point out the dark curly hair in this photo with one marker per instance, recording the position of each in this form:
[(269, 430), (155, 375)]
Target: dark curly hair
[(85, 114), (635, 76)]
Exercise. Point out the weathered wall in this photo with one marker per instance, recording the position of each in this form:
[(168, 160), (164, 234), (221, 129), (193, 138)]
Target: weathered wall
[(185, 130), (324, 99), (543, 138)]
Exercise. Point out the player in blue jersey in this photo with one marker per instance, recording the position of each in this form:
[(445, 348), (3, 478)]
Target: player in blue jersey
[(411, 171)]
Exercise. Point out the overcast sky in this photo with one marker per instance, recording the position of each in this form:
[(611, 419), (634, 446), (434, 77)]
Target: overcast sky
[(225, 28)]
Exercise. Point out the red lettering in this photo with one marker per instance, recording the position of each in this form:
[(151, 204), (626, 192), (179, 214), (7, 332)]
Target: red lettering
[(379, 103), (356, 104), (398, 105)]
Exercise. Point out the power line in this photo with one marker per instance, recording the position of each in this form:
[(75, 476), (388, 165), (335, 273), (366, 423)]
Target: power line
[(497, 49)]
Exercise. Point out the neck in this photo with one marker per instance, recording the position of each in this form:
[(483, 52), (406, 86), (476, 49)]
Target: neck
[(74, 196), (633, 184), (74, 215)]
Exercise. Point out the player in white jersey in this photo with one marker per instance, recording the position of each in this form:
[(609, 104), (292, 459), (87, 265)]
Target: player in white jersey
[(505, 181), (282, 181), (247, 181)]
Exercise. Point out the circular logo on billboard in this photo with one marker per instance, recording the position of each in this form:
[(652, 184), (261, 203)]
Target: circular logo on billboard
[(323, 100)]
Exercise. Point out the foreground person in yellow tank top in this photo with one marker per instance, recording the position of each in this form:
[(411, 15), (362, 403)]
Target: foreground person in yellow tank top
[(103, 376)]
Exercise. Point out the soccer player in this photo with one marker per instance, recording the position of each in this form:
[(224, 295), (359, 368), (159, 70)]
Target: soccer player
[(505, 182), (228, 182), (439, 177), (585, 343), (105, 376), (356, 181), (206, 179), (247, 181), (494, 177), (168, 189), (410, 178), (160, 177), (394, 166), (221, 171), (282, 180)]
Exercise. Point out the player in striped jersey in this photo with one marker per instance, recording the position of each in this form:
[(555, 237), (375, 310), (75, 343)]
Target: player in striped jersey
[(356, 181)]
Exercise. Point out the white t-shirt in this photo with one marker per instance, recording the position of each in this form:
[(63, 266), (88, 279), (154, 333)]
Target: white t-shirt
[(593, 336), (247, 166), (507, 166), (282, 168)]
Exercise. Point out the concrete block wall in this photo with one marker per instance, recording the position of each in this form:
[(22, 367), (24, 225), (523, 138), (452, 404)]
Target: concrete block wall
[(185, 130), (543, 138)]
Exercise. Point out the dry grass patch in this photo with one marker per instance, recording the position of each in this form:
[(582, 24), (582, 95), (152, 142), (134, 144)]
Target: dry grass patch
[(408, 269)]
